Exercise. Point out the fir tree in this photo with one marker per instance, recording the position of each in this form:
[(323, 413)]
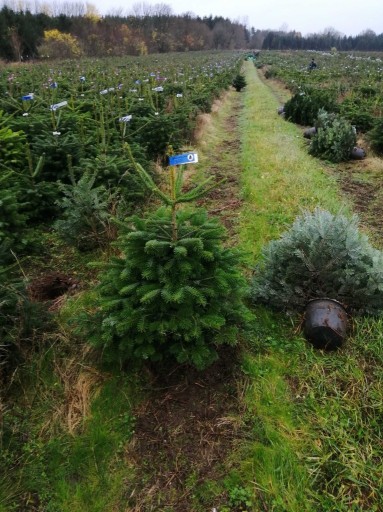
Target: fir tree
[(321, 255), (239, 83), (334, 138), (86, 219), (175, 291)]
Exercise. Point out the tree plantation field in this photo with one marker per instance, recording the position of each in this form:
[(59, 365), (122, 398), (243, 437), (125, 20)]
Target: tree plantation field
[(353, 81), (151, 345), (350, 85), (74, 119)]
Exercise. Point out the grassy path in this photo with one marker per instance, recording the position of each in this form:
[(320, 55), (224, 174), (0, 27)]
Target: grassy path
[(315, 442), (279, 177)]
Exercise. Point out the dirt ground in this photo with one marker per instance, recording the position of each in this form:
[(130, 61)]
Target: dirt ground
[(362, 182), (184, 432)]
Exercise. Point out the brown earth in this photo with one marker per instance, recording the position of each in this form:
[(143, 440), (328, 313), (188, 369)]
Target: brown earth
[(183, 434), (52, 288), (362, 182)]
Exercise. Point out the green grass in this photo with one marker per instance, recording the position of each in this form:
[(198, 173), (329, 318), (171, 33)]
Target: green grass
[(64, 440), (279, 177), (315, 418)]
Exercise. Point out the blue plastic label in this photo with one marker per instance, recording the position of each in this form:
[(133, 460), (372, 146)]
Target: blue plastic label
[(184, 158)]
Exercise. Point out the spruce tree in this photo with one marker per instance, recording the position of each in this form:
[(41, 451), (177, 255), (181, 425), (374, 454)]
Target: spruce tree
[(321, 256), (239, 82), (175, 291), (85, 223), (334, 138)]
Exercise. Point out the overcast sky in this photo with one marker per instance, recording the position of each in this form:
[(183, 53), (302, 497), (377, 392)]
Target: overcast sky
[(304, 16)]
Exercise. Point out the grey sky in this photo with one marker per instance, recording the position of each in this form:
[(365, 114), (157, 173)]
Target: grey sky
[(304, 16)]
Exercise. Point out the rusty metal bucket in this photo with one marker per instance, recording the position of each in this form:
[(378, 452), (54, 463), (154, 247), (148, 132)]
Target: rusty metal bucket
[(325, 323)]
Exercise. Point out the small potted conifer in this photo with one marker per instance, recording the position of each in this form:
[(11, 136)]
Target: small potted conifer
[(322, 257)]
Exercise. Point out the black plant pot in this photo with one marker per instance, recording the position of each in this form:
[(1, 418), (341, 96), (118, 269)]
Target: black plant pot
[(358, 153), (309, 132), (325, 323)]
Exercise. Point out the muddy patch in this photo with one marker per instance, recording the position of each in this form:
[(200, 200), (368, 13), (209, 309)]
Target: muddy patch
[(183, 432), (362, 194), (51, 286)]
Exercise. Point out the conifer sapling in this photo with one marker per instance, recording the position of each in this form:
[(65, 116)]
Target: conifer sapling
[(175, 292)]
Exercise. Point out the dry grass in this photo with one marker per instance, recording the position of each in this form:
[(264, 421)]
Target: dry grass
[(80, 385), (205, 121), (202, 122)]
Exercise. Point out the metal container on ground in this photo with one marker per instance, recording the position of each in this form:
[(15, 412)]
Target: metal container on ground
[(358, 153), (325, 323)]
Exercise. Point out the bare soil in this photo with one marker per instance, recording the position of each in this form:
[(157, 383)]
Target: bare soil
[(184, 432), (51, 285), (362, 182)]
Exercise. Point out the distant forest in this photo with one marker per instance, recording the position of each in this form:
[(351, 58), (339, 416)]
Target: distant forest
[(70, 30)]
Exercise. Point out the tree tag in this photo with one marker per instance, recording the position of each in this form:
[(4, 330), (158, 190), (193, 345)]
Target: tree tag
[(58, 105), (184, 158)]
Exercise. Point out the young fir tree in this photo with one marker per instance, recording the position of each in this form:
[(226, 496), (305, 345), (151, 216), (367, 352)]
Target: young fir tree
[(321, 256), (334, 138), (175, 292), (239, 83), (85, 223)]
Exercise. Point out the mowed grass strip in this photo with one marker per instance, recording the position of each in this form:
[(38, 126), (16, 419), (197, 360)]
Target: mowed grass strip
[(314, 417), (280, 178)]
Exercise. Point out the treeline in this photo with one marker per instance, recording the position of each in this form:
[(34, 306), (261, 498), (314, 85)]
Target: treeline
[(61, 30), (28, 35), (366, 41)]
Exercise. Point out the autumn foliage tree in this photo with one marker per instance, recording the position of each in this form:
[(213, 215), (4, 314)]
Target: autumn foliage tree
[(59, 45)]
